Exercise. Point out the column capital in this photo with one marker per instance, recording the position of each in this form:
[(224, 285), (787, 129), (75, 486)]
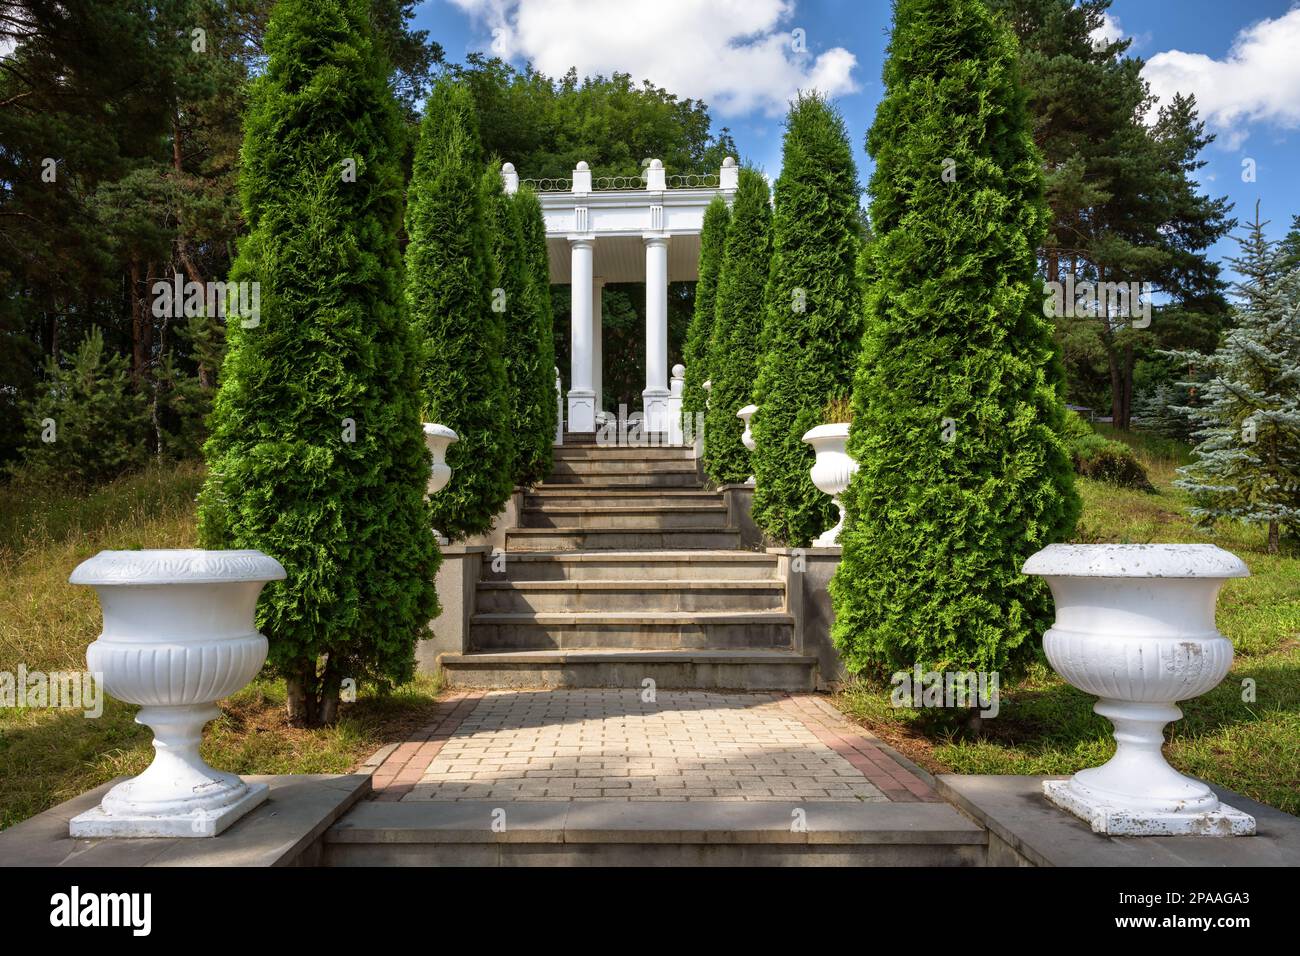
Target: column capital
[(598, 281), (581, 242), (654, 238)]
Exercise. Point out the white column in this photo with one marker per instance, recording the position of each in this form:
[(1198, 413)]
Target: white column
[(582, 398), (597, 357), (655, 396)]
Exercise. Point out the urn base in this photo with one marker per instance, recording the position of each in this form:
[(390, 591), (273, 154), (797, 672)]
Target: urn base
[(1114, 819), (98, 822)]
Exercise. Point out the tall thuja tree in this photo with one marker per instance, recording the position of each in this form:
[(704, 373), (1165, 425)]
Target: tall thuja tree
[(534, 352), (957, 405), (450, 278), (508, 300), (814, 318), (1247, 458), (316, 455), (736, 345), (713, 239)]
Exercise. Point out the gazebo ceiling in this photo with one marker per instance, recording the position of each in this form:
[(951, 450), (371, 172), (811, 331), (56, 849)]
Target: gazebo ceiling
[(622, 258)]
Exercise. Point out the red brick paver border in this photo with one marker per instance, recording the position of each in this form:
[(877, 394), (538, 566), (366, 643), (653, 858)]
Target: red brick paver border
[(401, 766)]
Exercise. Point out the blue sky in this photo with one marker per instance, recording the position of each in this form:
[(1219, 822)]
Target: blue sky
[(1241, 58)]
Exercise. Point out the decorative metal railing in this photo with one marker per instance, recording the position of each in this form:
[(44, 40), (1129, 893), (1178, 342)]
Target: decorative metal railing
[(693, 181), (609, 183), (548, 185), (618, 182)]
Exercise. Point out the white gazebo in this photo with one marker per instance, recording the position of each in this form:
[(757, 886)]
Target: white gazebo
[(623, 229)]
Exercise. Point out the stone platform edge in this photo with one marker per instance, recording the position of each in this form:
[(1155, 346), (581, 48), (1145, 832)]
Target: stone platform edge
[(1024, 829), (285, 830)]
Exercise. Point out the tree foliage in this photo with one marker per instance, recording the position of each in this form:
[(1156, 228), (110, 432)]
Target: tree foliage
[(316, 455), (533, 348), (814, 318), (449, 287), (957, 412), (713, 239), (737, 342)]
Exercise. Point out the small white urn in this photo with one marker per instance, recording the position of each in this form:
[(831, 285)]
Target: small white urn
[(747, 436), (178, 636), (1135, 626), (831, 471), (438, 438)]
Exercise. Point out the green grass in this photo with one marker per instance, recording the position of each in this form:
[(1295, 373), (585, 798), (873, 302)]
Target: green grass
[(1047, 727), (46, 755)]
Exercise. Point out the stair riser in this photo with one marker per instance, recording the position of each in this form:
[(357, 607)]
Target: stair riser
[(617, 466), (630, 520), (647, 480), (793, 676), (595, 453), (597, 540), (492, 600), (667, 637), (608, 499), (598, 570)]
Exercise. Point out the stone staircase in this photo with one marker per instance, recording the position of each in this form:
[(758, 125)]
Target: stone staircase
[(623, 568)]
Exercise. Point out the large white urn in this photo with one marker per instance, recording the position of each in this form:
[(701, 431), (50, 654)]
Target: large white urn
[(438, 438), (747, 436), (831, 472), (1135, 626), (178, 636)]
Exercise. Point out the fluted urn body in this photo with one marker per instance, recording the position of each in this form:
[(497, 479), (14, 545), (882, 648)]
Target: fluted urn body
[(1135, 626), (438, 438), (747, 436), (178, 636), (831, 472)]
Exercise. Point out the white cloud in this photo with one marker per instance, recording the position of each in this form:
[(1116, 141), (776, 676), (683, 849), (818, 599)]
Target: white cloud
[(737, 55), (1257, 82), (1109, 32)]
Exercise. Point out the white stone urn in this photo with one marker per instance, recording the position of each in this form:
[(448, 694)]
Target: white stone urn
[(438, 438), (1135, 626), (178, 636), (747, 436), (831, 471)]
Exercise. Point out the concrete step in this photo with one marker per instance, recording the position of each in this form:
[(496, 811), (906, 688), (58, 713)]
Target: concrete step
[(633, 565), (645, 479), (591, 497), (632, 630), (549, 515), (621, 667), (609, 465), (618, 539), (599, 453), (651, 596), (644, 833)]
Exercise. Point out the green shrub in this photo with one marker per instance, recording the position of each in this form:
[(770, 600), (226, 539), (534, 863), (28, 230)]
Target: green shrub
[(738, 329), (449, 281), (1101, 458), (534, 352), (958, 412), (814, 318), (88, 424), (316, 455), (699, 334)]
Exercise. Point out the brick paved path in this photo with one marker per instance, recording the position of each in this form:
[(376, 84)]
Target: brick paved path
[(609, 744)]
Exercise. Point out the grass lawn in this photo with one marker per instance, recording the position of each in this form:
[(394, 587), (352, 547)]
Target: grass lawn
[(48, 756), (1046, 727)]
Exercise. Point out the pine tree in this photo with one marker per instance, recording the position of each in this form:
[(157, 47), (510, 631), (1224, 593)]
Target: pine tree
[(1247, 457), (316, 455), (814, 321), (713, 239), (957, 408), (450, 277), (738, 329), (535, 354)]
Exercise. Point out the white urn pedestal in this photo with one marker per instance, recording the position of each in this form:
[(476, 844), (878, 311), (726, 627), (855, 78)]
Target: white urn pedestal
[(1135, 626), (831, 471), (747, 436), (178, 636)]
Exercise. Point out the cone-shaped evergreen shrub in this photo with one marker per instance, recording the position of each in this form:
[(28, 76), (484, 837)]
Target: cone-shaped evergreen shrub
[(738, 329), (316, 455), (957, 406), (450, 278), (508, 300), (713, 238), (814, 318)]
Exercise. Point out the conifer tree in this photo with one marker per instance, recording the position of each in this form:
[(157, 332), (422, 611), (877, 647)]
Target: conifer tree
[(534, 354), (450, 278), (316, 455), (814, 318), (738, 328), (508, 299), (957, 408), (699, 334), (1247, 457)]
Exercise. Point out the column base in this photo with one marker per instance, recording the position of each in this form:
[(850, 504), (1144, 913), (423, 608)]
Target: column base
[(1117, 820), (655, 403), (582, 410)]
